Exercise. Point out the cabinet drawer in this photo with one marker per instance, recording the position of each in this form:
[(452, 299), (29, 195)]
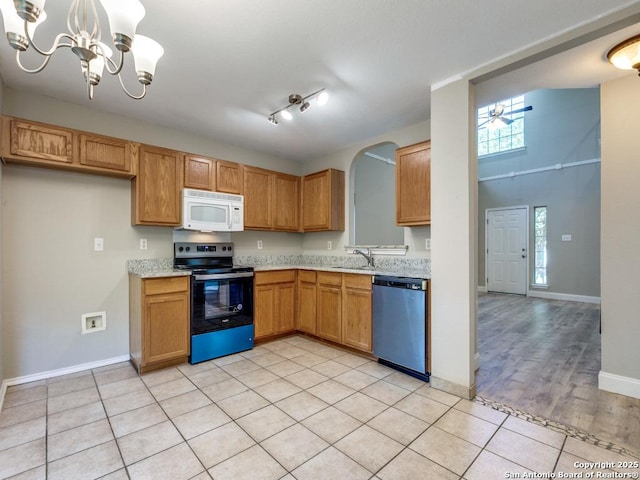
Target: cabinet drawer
[(277, 276), (156, 286), (307, 276), (356, 280), (329, 278)]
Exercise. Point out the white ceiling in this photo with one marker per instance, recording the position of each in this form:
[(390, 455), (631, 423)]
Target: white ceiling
[(230, 63)]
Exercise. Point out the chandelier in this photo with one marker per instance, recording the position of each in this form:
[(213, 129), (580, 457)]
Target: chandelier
[(322, 97), (22, 17)]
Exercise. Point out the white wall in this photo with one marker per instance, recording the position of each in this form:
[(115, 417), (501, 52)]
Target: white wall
[(55, 216), (620, 261), (453, 238)]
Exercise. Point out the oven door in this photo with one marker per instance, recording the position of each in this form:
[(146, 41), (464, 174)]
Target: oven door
[(221, 301)]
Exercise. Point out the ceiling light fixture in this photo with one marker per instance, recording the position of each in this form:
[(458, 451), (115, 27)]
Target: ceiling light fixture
[(322, 97), (626, 55), (21, 17)]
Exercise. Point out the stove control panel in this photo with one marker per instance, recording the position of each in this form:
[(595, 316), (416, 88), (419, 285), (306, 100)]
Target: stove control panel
[(199, 250)]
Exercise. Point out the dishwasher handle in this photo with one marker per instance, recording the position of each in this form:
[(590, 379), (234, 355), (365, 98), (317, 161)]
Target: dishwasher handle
[(408, 283)]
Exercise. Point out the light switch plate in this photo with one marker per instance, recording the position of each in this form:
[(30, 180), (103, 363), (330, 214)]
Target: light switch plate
[(259, 244), (427, 243), (566, 238), (98, 244), (143, 244)]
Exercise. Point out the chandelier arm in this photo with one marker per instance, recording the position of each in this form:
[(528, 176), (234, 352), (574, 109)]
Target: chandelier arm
[(97, 32), (54, 47), (138, 97), (38, 69), (118, 67)]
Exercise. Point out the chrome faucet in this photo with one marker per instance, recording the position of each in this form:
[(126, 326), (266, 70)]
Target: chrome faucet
[(368, 256)]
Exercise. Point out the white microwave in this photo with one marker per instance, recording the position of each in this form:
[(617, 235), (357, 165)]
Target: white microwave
[(212, 211)]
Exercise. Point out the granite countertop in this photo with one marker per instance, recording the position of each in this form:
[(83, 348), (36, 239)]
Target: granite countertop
[(359, 270), (155, 268), (163, 267)]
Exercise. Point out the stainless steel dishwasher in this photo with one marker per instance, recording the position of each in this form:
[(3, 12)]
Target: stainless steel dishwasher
[(400, 323)]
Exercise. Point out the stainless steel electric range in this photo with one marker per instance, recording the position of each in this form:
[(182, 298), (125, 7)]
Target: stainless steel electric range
[(221, 300)]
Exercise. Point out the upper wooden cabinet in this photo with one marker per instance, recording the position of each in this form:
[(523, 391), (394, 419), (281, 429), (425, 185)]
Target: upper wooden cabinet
[(323, 201), (229, 177), (286, 202), (271, 200), (258, 197), (205, 173), (43, 145), (156, 190), (413, 184), (199, 172)]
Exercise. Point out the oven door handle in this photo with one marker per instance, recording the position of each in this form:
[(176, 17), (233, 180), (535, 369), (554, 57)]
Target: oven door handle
[(223, 276)]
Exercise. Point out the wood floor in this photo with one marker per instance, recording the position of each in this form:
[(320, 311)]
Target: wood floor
[(543, 357)]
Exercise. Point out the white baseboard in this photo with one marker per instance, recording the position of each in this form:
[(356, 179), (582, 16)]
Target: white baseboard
[(57, 373), (618, 384), (482, 289), (563, 296)]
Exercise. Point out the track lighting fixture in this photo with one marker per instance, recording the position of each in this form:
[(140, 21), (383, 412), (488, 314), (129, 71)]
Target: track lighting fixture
[(322, 97)]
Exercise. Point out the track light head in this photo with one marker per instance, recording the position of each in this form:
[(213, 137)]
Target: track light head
[(304, 103)]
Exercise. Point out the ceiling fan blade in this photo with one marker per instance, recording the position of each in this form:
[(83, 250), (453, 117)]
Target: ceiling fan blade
[(525, 109)]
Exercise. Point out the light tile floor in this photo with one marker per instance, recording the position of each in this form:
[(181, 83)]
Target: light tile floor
[(291, 409)]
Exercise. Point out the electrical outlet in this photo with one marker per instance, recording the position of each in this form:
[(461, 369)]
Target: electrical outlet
[(567, 238), (427, 243), (259, 244), (143, 244), (98, 244), (329, 245)]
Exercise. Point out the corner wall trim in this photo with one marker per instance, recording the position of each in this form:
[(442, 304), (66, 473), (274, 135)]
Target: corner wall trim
[(57, 373), (618, 384), (563, 296), (482, 289), (3, 390)]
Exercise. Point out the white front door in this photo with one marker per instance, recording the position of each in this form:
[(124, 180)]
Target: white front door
[(507, 250)]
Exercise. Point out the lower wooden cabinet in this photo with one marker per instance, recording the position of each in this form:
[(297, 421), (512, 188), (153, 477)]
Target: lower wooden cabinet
[(307, 293), (274, 303), (158, 321), (329, 306), (357, 312)]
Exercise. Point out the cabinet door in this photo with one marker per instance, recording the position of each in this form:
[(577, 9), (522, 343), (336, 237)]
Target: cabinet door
[(329, 320), (323, 201), (229, 177), (357, 319), (264, 306), (286, 205), (106, 153), (156, 188), (199, 172), (306, 320), (413, 184), (286, 308), (40, 142), (258, 190), (166, 327)]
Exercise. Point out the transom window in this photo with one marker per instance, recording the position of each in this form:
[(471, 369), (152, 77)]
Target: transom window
[(494, 139)]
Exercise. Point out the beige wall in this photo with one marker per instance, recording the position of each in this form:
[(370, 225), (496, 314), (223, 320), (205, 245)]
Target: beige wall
[(620, 217), (316, 243), (454, 238), (56, 215)]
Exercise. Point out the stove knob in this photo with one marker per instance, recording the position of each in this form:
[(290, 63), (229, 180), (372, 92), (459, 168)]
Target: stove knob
[(188, 249), (229, 248), (224, 249), (180, 249)]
